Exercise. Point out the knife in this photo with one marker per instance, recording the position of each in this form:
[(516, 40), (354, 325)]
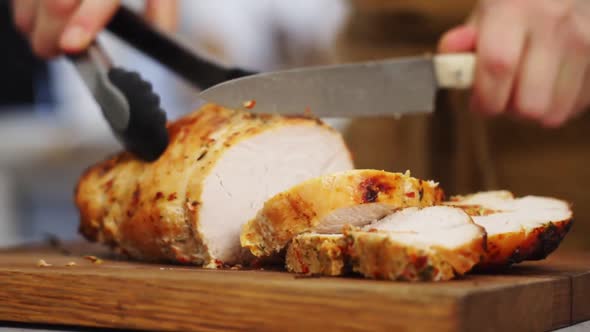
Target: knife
[(377, 88)]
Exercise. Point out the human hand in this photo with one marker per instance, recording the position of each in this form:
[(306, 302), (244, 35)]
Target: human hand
[(532, 57), (57, 26)]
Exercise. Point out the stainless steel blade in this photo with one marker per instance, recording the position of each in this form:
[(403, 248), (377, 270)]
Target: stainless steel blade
[(93, 65), (378, 88)]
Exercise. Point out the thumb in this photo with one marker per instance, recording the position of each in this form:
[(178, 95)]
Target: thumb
[(86, 22), (460, 39), (162, 13)]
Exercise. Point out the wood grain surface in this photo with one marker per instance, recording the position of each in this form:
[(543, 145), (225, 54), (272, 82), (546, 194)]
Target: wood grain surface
[(122, 294)]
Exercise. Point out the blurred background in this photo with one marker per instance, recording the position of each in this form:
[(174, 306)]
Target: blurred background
[(51, 130)]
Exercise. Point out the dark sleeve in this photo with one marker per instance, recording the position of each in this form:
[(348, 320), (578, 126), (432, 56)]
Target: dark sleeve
[(22, 76)]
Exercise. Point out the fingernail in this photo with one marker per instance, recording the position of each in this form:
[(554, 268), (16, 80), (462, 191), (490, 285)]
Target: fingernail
[(75, 39)]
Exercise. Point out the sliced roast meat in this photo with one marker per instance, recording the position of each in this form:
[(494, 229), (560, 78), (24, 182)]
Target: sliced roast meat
[(314, 253), (432, 243), (450, 232), (527, 228), (325, 204), (220, 167)]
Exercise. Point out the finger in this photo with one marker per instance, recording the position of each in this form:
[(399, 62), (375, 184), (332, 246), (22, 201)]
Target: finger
[(474, 17), (576, 31), (86, 23), (51, 19), (162, 13), (568, 87), (459, 39), (537, 76), (499, 49), (583, 101), (24, 12)]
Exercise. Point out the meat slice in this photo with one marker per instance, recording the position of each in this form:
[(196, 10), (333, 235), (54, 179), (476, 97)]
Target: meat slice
[(314, 253), (432, 243), (325, 204), (219, 169), (527, 228), (448, 233)]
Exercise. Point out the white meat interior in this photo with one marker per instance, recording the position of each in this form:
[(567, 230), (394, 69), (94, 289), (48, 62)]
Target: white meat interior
[(253, 170), (528, 212), (486, 198), (358, 215), (443, 226)]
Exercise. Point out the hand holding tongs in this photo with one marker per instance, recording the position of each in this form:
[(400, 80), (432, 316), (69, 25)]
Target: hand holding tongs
[(128, 102)]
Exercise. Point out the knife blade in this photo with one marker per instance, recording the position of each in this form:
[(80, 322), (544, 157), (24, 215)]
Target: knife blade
[(376, 88), (93, 66)]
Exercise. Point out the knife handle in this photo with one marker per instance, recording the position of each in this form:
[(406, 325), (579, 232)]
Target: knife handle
[(455, 71)]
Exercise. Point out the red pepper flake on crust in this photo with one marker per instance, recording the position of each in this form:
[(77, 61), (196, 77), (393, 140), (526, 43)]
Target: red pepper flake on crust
[(191, 206), (304, 267), (249, 104), (183, 259), (108, 185)]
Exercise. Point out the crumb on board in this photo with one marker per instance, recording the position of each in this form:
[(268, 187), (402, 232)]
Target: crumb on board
[(70, 264), (93, 259), (236, 267), (43, 263)]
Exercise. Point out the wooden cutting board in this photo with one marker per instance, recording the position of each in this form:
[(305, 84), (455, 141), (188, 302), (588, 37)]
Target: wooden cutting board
[(120, 294)]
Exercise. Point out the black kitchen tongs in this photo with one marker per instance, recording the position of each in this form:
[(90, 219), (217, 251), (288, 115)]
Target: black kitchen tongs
[(127, 101), (169, 51)]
